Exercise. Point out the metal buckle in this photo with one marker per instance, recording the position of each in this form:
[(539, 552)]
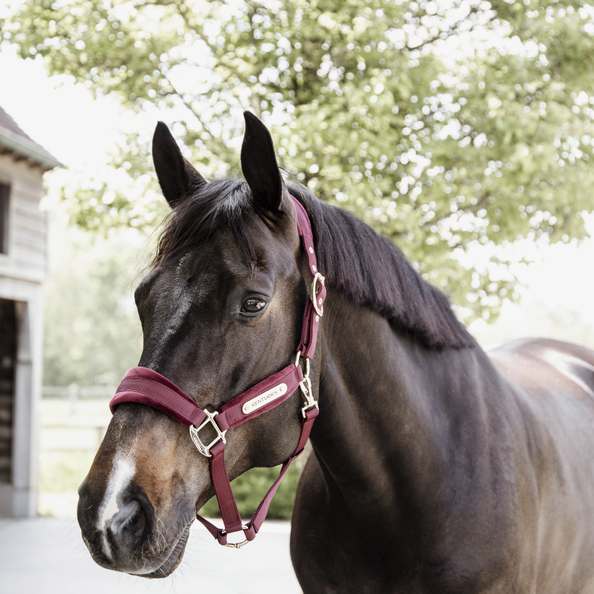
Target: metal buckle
[(205, 449), (307, 394), (236, 545), (313, 293), (305, 386)]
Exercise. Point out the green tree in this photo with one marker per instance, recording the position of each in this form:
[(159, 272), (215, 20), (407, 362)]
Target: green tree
[(445, 125), (92, 333)]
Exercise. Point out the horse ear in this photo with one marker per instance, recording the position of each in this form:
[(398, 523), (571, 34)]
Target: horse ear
[(177, 177), (258, 163)]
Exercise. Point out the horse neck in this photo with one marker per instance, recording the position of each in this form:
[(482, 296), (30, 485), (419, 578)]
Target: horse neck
[(388, 407)]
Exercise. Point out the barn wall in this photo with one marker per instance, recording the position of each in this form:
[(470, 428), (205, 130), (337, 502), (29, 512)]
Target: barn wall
[(27, 231), (22, 270)]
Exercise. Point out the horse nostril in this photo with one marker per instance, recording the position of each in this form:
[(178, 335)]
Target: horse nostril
[(129, 521), (134, 520)]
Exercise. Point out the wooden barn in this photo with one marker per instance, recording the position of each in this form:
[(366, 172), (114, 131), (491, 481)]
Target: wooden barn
[(23, 268)]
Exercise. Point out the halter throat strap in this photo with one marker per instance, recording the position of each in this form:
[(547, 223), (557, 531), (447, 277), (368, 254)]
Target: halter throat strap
[(145, 386)]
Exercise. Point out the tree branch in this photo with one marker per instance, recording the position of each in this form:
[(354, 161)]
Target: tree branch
[(453, 31)]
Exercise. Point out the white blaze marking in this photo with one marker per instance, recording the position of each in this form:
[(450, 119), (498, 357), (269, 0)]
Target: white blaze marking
[(567, 364), (122, 471)]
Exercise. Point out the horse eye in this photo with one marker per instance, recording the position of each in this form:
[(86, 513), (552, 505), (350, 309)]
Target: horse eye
[(253, 305)]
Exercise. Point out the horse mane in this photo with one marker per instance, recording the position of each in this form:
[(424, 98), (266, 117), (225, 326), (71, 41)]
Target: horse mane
[(362, 265), (370, 270)]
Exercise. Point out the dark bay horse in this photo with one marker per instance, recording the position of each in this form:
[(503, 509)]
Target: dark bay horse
[(437, 468)]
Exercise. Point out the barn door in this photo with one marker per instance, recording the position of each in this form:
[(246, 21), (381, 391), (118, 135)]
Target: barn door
[(8, 344)]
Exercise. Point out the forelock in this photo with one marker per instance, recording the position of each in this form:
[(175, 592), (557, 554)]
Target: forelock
[(214, 206)]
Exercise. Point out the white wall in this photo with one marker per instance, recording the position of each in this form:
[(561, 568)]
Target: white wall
[(22, 271)]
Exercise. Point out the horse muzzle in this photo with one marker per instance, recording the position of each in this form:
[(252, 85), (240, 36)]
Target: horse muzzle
[(122, 534)]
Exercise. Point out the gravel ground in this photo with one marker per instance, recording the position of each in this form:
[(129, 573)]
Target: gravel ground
[(47, 555)]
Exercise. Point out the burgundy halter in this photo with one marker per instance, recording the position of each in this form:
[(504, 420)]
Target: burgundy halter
[(145, 386)]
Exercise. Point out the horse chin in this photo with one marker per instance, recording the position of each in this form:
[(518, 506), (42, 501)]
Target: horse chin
[(173, 560)]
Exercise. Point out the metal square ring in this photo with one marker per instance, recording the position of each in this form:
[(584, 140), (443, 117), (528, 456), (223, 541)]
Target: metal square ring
[(205, 449)]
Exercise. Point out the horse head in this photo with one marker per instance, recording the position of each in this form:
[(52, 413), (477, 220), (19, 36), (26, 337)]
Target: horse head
[(221, 309)]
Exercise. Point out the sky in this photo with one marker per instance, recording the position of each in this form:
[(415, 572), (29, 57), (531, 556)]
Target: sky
[(558, 287), (58, 114)]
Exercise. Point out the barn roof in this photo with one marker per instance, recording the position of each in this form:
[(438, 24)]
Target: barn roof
[(14, 140)]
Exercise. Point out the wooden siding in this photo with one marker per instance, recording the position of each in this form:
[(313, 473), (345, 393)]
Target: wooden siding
[(22, 270), (26, 257)]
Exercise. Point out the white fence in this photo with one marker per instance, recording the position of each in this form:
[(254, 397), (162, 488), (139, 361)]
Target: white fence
[(74, 417), (74, 392)]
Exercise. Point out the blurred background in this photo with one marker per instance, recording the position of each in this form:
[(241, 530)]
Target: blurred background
[(463, 130)]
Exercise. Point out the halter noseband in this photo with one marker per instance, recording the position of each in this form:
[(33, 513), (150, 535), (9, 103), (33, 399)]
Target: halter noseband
[(145, 386)]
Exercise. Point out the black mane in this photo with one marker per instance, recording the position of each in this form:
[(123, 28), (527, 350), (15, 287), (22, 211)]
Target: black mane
[(370, 270), (362, 265)]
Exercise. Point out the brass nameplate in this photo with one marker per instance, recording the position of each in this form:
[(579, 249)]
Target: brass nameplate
[(263, 399)]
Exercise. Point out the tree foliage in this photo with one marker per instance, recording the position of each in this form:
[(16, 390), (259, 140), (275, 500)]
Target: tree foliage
[(445, 125), (250, 488), (92, 333)]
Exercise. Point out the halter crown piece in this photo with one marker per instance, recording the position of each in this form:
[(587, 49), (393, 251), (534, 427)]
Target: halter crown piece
[(145, 386)]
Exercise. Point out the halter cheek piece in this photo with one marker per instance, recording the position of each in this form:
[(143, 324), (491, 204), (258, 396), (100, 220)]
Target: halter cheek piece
[(145, 386)]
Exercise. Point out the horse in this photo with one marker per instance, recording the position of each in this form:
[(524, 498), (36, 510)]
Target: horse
[(437, 467)]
